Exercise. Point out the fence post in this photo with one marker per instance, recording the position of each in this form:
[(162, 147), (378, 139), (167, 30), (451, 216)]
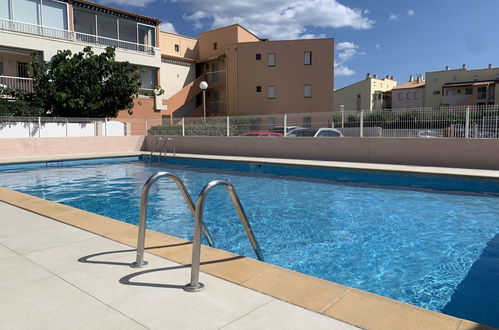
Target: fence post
[(342, 109), (228, 127), (467, 124), (39, 127), (285, 124), (67, 127), (105, 126), (361, 123)]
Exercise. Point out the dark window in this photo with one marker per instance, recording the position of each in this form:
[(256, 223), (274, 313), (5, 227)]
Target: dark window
[(307, 122), (215, 45), (436, 92), (328, 133), (22, 70), (468, 91), (258, 57), (258, 89), (177, 48), (307, 58)]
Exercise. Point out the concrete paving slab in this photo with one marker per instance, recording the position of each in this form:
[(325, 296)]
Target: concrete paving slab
[(6, 252), (16, 271)]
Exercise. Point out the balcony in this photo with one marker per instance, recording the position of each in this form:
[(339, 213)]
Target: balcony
[(25, 84), (75, 37)]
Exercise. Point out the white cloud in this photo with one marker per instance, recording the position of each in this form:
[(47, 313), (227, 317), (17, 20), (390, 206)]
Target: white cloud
[(275, 19), (342, 70), (345, 51), (167, 27), (393, 17), (378, 46), (135, 3), (411, 12)]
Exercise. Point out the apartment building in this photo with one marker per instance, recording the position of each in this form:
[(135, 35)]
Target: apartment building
[(409, 94), (461, 87), (368, 94), (46, 26), (246, 74)]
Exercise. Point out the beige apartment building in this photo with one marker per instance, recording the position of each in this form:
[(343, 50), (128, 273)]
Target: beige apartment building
[(461, 87), (409, 94), (47, 26), (248, 75), (368, 94)]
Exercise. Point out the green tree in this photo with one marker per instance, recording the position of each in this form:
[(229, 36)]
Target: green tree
[(85, 84)]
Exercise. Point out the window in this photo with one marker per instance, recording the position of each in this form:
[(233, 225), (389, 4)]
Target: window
[(468, 91), (408, 95), (307, 122), (22, 70), (436, 92), (147, 35), (307, 91), (4, 9), (55, 14), (271, 59), (107, 26), (26, 11), (85, 22), (258, 89), (215, 46), (328, 133), (455, 78), (258, 57), (271, 92), (451, 92), (128, 30), (435, 80), (1, 67), (177, 48), (307, 60), (148, 78), (399, 96), (416, 95)]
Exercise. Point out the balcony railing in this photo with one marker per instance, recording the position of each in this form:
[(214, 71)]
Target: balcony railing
[(84, 38), (25, 84)]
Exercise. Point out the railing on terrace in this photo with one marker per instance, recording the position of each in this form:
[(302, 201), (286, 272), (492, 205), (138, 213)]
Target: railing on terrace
[(49, 32), (25, 84), (435, 122)]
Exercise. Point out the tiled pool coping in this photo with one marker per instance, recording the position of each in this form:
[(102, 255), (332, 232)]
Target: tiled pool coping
[(347, 304)]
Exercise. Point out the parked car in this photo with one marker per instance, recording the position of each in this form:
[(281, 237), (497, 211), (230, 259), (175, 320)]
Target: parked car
[(428, 134), (328, 132), (303, 132), (280, 129), (262, 134)]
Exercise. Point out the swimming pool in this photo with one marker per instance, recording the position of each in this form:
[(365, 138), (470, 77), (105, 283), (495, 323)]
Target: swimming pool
[(427, 240)]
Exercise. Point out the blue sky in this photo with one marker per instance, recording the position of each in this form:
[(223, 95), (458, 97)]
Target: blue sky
[(386, 37)]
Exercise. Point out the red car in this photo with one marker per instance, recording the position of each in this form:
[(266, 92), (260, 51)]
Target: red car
[(264, 134)]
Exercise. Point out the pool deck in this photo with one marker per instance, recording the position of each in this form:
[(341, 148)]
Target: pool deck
[(64, 266), (57, 276)]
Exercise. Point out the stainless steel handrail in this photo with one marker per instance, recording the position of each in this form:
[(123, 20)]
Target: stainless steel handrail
[(154, 147), (195, 285), (139, 262), (164, 147)]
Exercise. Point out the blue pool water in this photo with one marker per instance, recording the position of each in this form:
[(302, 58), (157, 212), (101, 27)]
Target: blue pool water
[(426, 240)]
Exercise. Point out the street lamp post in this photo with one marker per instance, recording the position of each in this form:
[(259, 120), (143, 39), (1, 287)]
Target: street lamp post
[(204, 85)]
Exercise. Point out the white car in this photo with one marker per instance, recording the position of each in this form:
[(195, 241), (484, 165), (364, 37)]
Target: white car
[(328, 132)]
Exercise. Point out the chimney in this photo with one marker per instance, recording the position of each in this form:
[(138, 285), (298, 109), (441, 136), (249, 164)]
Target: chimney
[(446, 68), (490, 66), (420, 78), (387, 76), (411, 78), (375, 76), (368, 76), (464, 67), (391, 77)]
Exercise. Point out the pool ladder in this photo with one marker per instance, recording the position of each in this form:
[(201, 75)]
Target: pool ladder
[(199, 226), (163, 147)]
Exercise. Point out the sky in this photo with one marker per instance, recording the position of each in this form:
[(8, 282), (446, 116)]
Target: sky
[(384, 37)]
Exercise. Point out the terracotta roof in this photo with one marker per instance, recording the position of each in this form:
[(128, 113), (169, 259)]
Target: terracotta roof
[(411, 84), (178, 58)]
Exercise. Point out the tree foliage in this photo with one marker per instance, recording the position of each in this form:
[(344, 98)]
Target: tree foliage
[(85, 84)]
